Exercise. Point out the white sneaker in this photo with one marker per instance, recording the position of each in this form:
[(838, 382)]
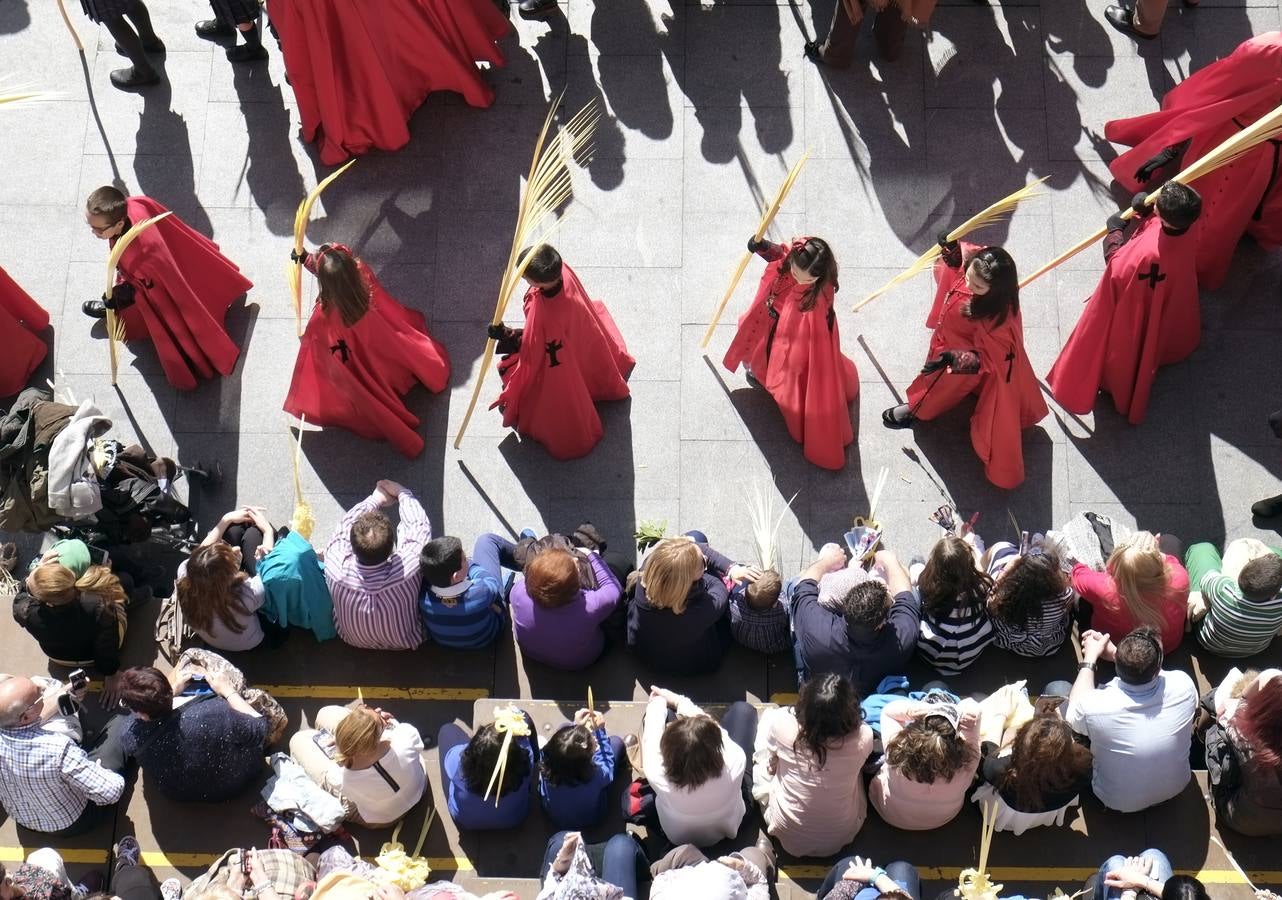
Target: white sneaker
[(171, 889)]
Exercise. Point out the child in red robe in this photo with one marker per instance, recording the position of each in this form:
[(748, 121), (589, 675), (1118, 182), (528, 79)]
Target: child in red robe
[(360, 353), (789, 341), (1144, 314), (21, 321), (1207, 108), (569, 355), (172, 285), (978, 348), (359, 70)]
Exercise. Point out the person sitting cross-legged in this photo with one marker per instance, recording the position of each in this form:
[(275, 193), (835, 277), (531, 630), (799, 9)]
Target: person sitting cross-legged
[(462, 603), (1238, 599)]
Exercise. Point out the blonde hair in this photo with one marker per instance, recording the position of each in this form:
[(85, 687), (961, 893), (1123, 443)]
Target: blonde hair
[(674, 565), (358, 733), (56, 585), (1142, 576)]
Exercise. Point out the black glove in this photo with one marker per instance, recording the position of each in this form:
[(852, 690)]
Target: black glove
[(295, 257), (1116, 222), (122, 296), (1160, 161), (944, 359), (755, 245), (1138, 204), (949, 251), (498, 332)]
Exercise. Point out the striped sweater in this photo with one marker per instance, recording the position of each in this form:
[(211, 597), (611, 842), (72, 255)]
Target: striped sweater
[(1235, 626)]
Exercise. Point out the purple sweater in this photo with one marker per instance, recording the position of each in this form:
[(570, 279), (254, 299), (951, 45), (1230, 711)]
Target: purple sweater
[(568, 637)]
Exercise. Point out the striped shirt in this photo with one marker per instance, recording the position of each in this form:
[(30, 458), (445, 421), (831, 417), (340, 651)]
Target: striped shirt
[(46, 781), (1046, 628), (1235, 626), (953, 642), (376, 607), (467, 619), (763, 630)]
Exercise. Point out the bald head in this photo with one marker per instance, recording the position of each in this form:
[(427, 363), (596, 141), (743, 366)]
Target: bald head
[(19, 697)]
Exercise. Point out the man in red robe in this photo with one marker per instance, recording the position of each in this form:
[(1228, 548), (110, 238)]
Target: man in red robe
[(1207, 108), (1144, 314), (21, 321), (569, 355), (172, 285)]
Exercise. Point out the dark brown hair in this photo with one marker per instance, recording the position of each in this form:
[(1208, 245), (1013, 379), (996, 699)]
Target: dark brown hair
[(1045, 759), (552, 578), (951, 580), (107, 201), (691, 751), (145, 689), (481, 757), (1139, 655), (209, 589), (1261, 578), (342, 284), (1026, 586), (373, 538), (929, 749), (827, 713), (815, 257)]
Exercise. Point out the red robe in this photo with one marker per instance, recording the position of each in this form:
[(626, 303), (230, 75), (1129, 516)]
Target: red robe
[(359, 68), (183, 289), (1210, 106), (354, 377), (1010, 398), (571, 356), (1133, 323), (803, 368), (21, 319)]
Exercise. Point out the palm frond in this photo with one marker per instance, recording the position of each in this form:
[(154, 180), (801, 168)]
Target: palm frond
[(765, 524), (302, 216), (16, 98), (548, 189), (66, 20), (302, 520), (115, 326), (767, 217), (994, 213)]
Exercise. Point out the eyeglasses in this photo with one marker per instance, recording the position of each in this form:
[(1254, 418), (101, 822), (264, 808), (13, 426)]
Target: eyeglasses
[(103, 230)]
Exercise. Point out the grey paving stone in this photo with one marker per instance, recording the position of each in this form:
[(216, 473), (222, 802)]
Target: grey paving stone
[(643, 303), (167, 119), (54, 128), (874, 109), (647, 27), (1193, 38), (717, 242), (749, 56), (141, 410), (981, 55), (252, 157), (647, 203), (641, 102), (740, 171), (250, 399)]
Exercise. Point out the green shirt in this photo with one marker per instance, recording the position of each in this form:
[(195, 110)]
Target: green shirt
[(72, 553)]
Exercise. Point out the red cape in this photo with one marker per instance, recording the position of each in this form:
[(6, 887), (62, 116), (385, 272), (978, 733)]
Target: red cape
[(1210, 106), (553, 404), (811, 380), (21, 319), (360, 69), (386, 352), (1131, 326), (184, 287), (1010, 398)]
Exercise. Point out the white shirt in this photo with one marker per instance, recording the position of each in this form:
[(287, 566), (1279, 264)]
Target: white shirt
[(703, 815), (377, 803), (1140, 736)]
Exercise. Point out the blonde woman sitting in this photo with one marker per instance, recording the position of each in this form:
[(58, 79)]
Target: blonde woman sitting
[(678, 620), (79, 622), (1143, 583), (365, 758)]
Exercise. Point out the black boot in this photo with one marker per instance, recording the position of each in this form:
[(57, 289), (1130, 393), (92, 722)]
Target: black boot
[(536, 9), (250, 51), (1268, 508), (140, 74), (214, 30)]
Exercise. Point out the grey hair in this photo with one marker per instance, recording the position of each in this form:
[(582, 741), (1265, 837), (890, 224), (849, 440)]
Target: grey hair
[(12, 711)]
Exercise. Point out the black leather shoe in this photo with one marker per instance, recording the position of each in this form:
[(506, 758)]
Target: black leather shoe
[(246, 53), (898, 417), (1268, 508), (536, 9), (133, 77), (214, 30), (1123, 19), (94, 309)]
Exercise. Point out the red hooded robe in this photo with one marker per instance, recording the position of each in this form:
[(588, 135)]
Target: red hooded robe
[(1010, 398), (183, 289), (798, 359), (1208, 107), (360, 69), (353, 377), (571, 355), (1144, 314), (21, 319)]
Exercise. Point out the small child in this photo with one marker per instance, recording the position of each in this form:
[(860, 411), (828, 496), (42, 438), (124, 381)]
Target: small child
[(578, 766), (468, 764), (759, 615)]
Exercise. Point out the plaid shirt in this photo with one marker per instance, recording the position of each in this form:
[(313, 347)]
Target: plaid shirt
[(46, 781), (763, 630)]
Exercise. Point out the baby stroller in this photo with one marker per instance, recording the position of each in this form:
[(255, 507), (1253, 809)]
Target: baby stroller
[(61, 471)]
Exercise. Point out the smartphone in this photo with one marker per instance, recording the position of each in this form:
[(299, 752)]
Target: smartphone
[(325, 741), (196, 685), (78, 680), (66, 704)]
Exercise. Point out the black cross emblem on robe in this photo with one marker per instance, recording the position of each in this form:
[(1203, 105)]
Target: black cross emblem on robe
[(1010, 365), (1153, 276), (341, 349), (552, 347)]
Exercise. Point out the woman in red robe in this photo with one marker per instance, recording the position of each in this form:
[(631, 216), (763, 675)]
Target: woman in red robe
[(1204, 110), (791, 345), (978, 348), (360, 69), (21, 321), (360, 353)]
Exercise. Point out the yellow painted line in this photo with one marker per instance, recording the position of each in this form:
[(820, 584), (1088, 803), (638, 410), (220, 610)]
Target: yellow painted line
[(349, 692), (91, 857), (1065, 874), (783, 698)]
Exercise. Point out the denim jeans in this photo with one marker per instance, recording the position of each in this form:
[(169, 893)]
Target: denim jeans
[(1160, 871)]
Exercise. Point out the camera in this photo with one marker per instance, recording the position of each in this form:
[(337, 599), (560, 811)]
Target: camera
[(78, 680)]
